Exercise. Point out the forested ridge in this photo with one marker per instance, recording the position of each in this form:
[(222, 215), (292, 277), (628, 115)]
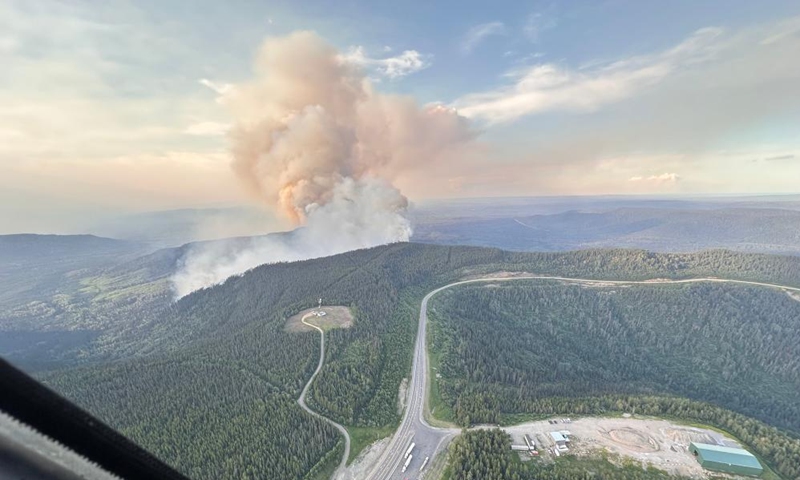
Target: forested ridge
[(227, 346), (531, 345)]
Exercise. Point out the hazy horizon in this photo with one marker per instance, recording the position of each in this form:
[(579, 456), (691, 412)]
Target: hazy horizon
[(145, 107), (245, 219)]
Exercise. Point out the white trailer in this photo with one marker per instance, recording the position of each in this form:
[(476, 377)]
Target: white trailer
[(410, 447), (425, 462), (408, 462)]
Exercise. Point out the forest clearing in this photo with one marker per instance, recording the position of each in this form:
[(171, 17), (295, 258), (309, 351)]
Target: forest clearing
[(659, 443)]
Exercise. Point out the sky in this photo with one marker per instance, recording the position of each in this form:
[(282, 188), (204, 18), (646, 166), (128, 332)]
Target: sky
[(116, 107)]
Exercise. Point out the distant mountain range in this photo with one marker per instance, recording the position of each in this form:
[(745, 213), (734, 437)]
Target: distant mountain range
[(767, 230), (47, 248), (172, 228)]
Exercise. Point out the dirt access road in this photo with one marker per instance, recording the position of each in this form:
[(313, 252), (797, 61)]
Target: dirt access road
[(302, 399), (430, 440)]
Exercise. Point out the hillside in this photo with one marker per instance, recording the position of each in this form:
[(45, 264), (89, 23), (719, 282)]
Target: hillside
[(70, 297), (227, 346), (33, 266), (61, 293), (46, 310), (502, 348), (693, 351)]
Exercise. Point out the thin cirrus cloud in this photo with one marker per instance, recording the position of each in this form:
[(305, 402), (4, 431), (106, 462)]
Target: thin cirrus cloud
[(536, 24), (778, 158), (550, 87), (657, 179), (406, 63), (479, 33)]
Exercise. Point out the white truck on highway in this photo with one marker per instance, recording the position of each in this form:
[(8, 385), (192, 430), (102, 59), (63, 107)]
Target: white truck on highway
[(425, 462), (408, 462), (410, 447)]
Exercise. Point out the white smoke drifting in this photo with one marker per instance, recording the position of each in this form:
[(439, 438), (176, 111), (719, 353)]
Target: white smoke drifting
[(315, 142)]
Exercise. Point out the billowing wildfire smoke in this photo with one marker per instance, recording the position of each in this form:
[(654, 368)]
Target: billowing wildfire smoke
[(314, 141)]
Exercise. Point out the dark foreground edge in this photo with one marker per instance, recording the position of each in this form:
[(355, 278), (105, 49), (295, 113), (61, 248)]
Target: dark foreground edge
[(51, 415)]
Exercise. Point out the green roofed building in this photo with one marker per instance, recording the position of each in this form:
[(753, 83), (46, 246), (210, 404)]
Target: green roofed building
[(726, 459)]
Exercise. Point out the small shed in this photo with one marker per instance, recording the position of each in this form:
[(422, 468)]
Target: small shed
[(726, 459)]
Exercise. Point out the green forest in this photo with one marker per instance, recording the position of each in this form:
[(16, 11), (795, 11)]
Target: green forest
[(168, 377), (544, 347)]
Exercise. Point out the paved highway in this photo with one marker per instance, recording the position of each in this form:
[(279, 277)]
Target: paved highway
[(431, 440), (302, 399)]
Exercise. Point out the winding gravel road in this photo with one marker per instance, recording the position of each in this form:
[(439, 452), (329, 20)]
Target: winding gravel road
[(302, 399), (430, 440)]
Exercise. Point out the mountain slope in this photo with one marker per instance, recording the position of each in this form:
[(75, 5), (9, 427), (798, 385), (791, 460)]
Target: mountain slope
[(227, 345), (509, 345)]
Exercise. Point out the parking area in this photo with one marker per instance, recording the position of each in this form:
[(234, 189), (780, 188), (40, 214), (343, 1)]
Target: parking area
[(660, 443)]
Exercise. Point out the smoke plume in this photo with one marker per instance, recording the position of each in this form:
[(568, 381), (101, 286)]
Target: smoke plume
[(315, 142)]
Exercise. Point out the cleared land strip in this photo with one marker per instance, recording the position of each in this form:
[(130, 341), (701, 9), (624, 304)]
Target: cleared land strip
[(302, 399)]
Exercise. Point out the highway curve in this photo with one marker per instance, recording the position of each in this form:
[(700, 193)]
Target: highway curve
[(302, 399), (430, 440)]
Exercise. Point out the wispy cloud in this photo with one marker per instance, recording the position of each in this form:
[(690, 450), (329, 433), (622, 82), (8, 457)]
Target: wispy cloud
[(786, 28), (220, 88), (87, 81), (548, 87), (657, 179), (778, 158), (479, 33), (223, 90), (406, 63), (536, 24), (671, 111)]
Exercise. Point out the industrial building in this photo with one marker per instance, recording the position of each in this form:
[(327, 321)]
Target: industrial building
[(560, 440), (726, 459)]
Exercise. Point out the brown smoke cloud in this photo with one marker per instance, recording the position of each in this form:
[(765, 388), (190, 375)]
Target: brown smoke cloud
[(315, 141), (310, 119)]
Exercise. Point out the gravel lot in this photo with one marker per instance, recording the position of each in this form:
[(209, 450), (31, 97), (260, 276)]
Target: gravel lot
[(335, 317), (659, 443)]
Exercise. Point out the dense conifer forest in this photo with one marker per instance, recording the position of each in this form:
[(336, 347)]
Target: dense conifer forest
[(210, 385), (543, 347)]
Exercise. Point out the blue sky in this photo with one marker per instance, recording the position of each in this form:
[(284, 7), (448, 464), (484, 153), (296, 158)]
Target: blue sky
[(110, 106)]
